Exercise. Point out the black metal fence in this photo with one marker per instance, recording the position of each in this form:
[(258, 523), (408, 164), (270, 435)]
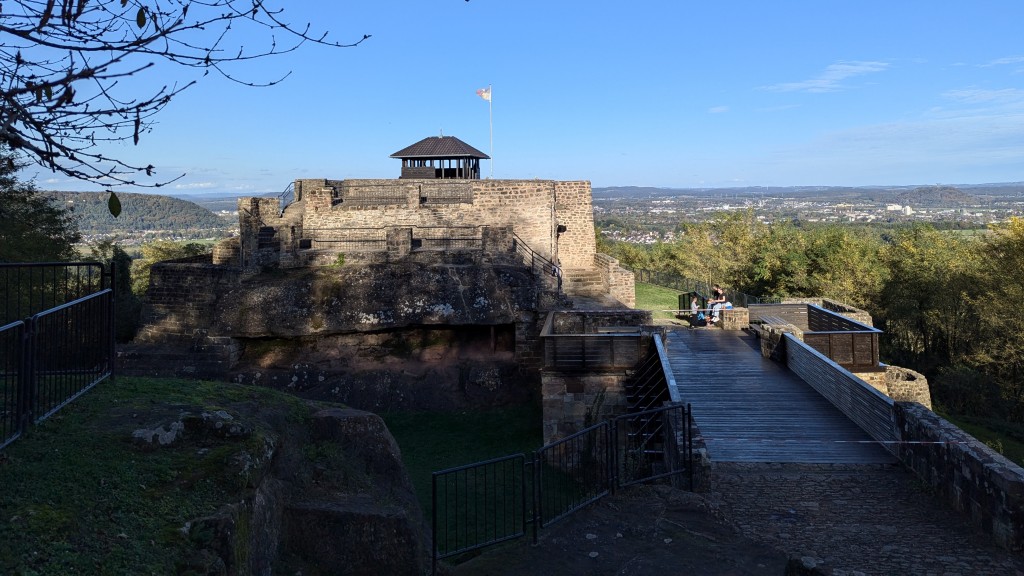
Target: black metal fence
[(27, 288), (448, 239), (539, 265), (56, 341), (52, 358), (482, 504)]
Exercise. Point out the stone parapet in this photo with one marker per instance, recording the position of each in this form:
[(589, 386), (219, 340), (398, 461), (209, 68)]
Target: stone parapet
[(986, 487), (618, 282), (735, 319)]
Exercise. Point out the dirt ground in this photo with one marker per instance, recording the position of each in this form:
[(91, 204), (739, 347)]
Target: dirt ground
[(645, 530)]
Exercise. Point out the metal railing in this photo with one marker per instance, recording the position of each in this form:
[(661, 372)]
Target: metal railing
[(27, 288), (605, 350), (479, 505), (539, 265), (447, 238), (286, 197), (12, 341), (493, 494), (573, 472), (347, 239), (52, 358)]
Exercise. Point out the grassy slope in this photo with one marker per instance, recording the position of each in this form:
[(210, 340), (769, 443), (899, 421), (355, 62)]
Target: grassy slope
[(651, 297), (432, 442), (994, 434), (78, 498)]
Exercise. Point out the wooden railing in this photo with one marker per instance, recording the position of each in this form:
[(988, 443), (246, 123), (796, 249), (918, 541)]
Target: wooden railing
[(846, 342)]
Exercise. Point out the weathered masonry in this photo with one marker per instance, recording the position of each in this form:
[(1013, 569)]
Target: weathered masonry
[(385, 220), (384, 293)]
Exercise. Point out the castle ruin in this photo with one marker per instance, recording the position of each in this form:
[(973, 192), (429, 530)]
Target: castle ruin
[(329, 287)]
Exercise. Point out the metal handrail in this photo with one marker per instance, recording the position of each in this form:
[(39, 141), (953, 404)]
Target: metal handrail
[(286, 197), (539, 264)]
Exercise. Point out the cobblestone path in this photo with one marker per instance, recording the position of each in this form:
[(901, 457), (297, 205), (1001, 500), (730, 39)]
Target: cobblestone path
[(855, 520)]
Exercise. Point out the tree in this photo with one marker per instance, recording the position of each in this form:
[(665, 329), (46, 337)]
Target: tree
[(927, 305), (31, 228), (127, 306), (158, 252), (999, 351), (65, 67)]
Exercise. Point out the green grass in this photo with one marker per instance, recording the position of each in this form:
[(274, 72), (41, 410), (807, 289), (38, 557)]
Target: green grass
[(657, 298), (77, 497), (434, 441), (1002, 437)]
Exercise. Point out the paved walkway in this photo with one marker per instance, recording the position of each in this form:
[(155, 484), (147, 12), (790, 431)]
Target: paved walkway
[(855, 520), (750, 409)]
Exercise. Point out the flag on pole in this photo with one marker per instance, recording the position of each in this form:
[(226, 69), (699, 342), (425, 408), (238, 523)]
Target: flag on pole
[(484, 93)]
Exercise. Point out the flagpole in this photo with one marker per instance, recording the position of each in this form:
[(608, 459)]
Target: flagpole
[(490, 121)]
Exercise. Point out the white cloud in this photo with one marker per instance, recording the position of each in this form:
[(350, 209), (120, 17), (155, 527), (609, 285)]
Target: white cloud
[(718, 109), (979, 96), (194, 186), (831, 79), (1004, 61)]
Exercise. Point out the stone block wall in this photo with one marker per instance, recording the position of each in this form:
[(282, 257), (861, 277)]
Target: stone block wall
[(227, 251), (183, 294), (735, 319), (620, 282), (906, 385), (591, 321), (528, 206), (573, 209), (968, 475), (900, 384), (572, 402), (175, 339)]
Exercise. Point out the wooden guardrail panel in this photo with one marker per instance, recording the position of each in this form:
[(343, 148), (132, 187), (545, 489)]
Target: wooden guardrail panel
[(869, 408)]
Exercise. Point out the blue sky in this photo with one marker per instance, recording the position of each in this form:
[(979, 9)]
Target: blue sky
[(647, 93)]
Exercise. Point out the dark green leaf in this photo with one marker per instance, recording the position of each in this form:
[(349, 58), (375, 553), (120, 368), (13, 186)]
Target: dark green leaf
[(140, 18), (114, 205)]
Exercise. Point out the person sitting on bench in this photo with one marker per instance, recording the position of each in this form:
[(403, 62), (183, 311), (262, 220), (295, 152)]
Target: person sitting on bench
[(716, 301)]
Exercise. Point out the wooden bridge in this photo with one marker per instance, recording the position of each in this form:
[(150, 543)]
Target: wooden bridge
[(751, 409)]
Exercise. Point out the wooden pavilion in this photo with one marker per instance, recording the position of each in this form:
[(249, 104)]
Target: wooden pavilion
[(441, 157)]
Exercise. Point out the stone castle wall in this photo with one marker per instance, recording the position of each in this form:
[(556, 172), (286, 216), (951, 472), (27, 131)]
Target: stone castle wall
[(986, 487), (384, 220), (533, 208)]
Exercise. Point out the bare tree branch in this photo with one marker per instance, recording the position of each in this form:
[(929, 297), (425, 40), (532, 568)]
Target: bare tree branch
[(62, 63)]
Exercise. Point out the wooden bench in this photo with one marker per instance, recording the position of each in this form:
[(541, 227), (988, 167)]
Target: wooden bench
[(773, 320)]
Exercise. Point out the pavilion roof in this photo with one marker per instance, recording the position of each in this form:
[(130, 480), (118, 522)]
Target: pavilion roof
[(440, 147)]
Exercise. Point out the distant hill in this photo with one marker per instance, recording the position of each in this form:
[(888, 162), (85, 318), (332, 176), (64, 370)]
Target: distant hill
[(914, 195), (140, 214), (936, 196)]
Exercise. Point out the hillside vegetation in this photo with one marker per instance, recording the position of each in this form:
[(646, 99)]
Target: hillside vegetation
[(946, 302), (141, 214)]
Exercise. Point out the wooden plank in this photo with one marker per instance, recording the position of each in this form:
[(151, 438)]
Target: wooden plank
[(750, 409)]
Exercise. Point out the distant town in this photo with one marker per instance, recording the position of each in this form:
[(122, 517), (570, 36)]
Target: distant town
[(649, 215), (630, 214)]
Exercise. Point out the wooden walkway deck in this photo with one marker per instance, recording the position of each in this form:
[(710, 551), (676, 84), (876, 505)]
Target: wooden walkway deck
[(750, 409)]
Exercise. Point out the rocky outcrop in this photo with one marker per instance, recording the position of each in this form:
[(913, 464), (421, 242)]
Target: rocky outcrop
[(322, 493)]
